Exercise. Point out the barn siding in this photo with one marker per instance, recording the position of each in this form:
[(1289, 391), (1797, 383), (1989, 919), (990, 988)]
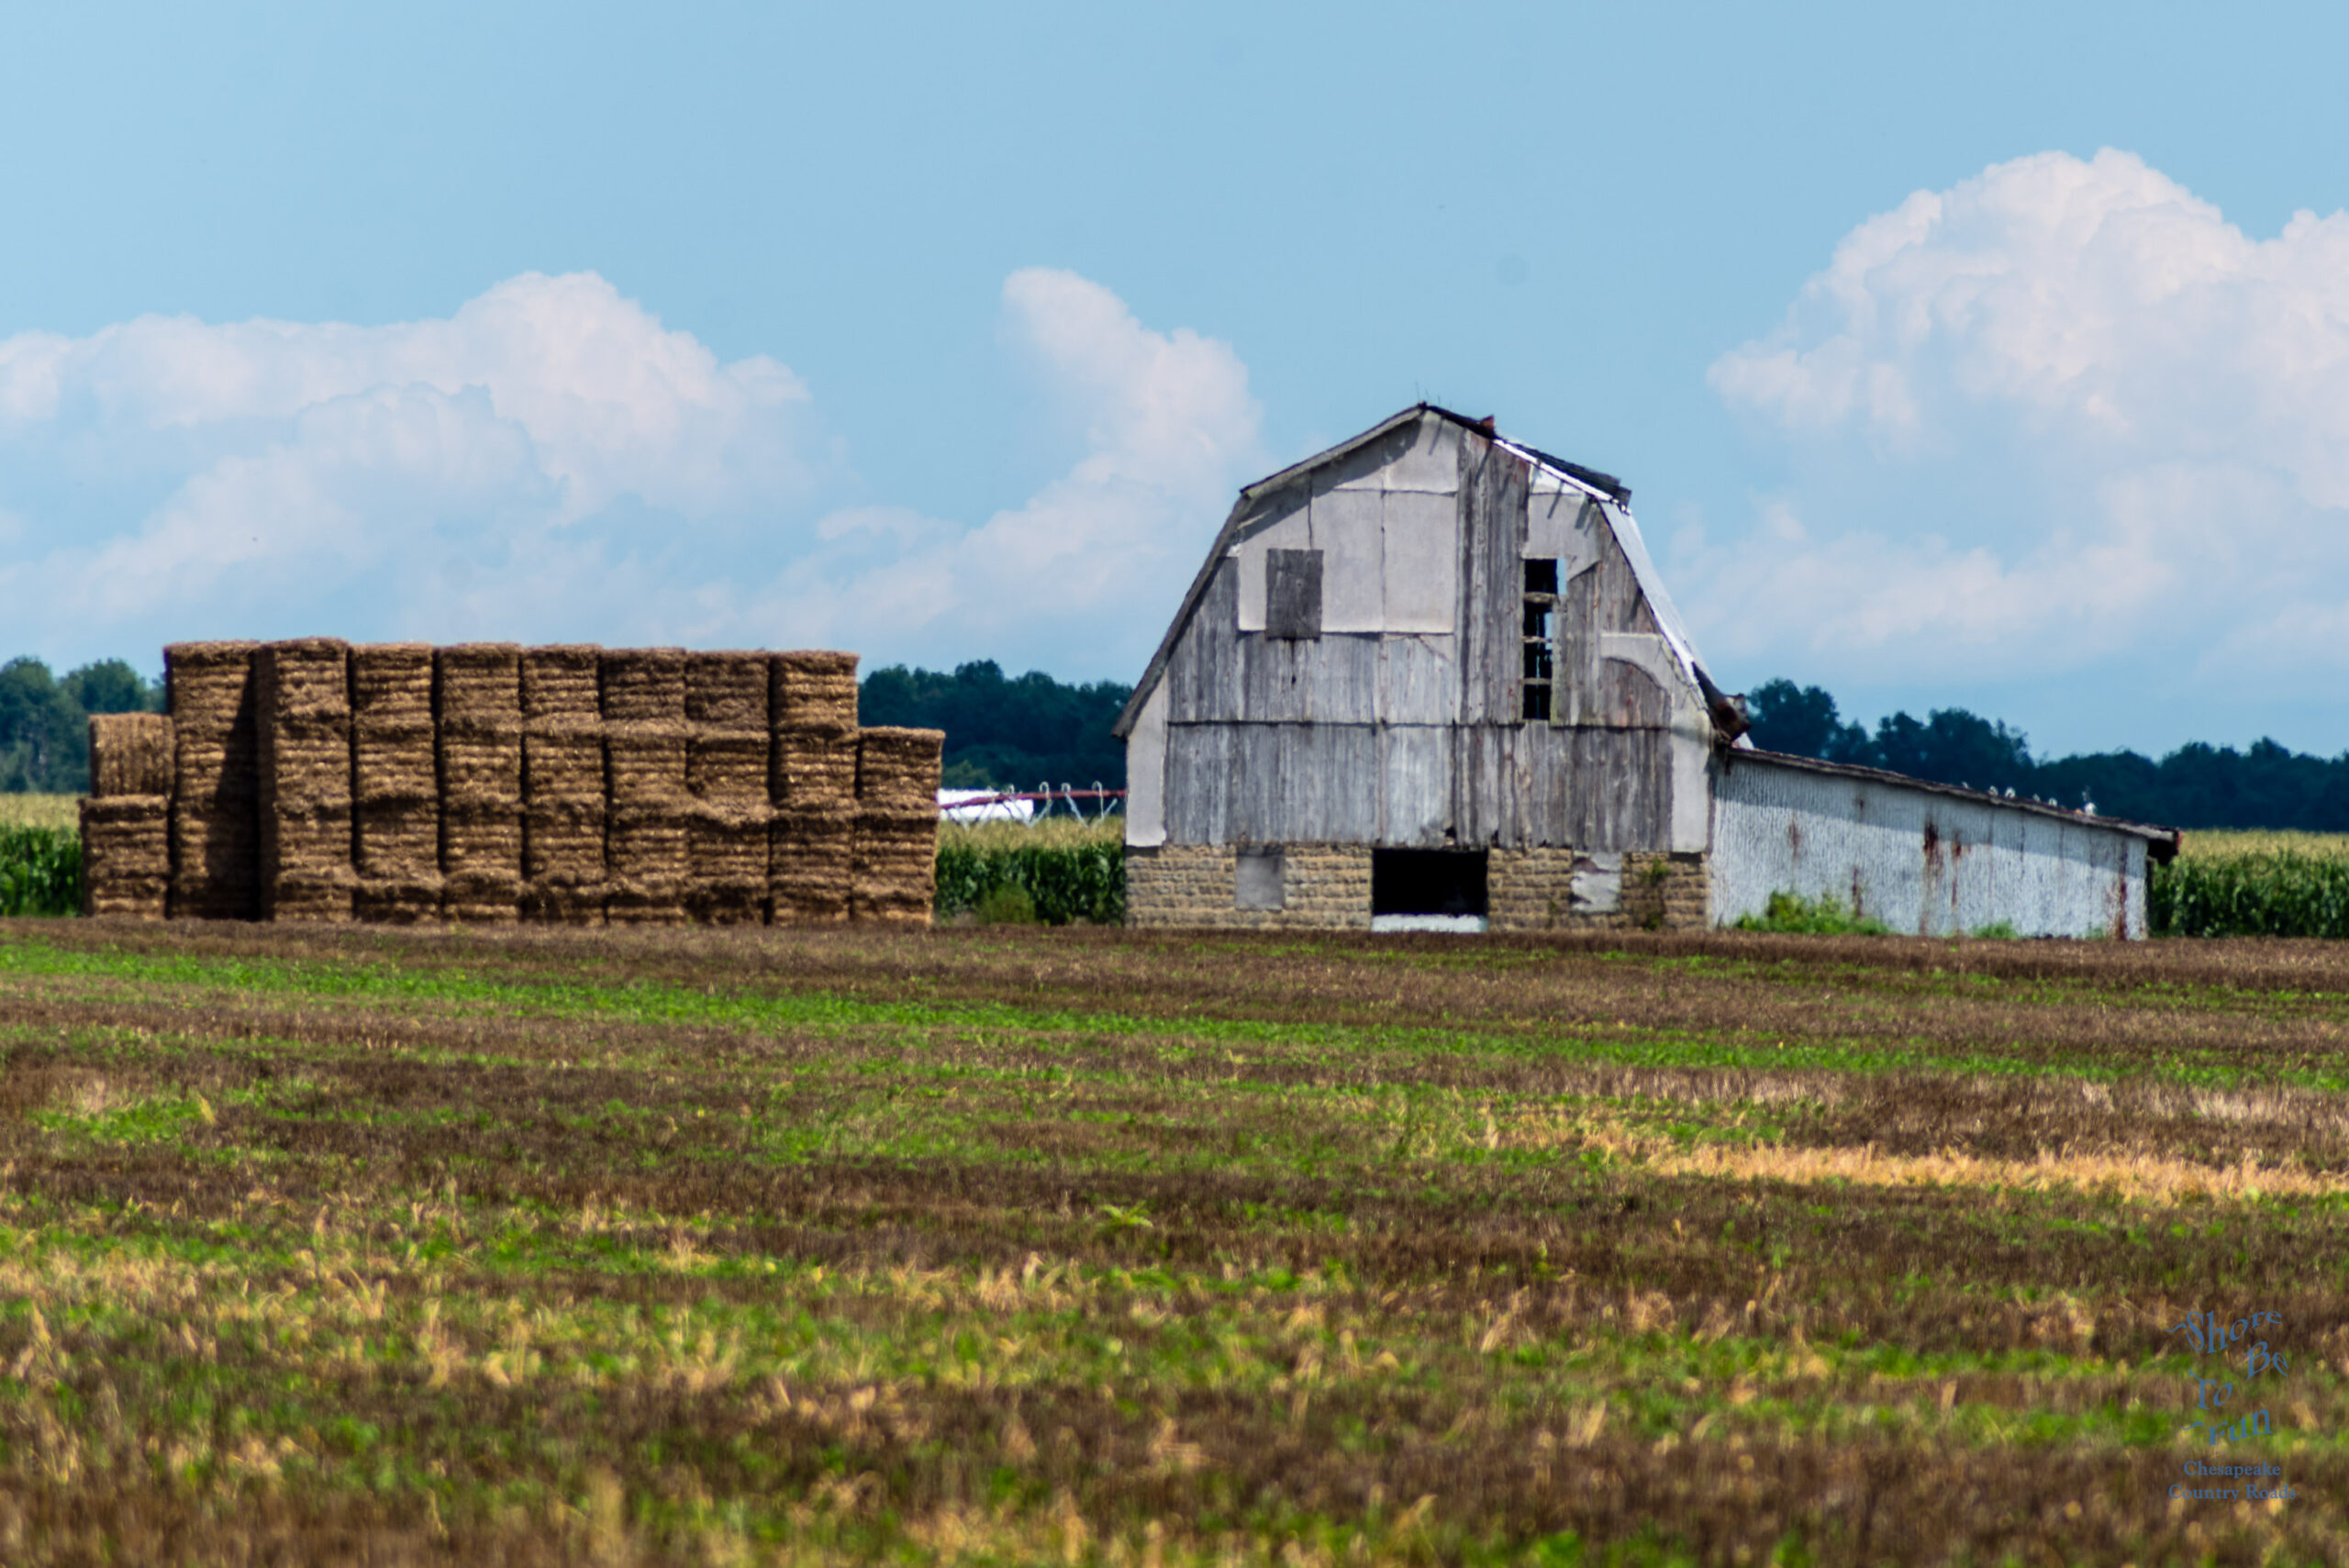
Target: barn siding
[(1916, 859)]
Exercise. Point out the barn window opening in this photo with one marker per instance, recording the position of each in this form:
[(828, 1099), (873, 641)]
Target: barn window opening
[(1293, 593), (1540, 676), (1426, 890), (1258, 884)]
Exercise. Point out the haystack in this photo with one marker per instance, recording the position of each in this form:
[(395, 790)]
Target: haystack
[(478, 720), (813, 691), (644, 685), (304, 759), (126, 855), (646, 858), (895, 875), (898, 768), (130, 753), (216, 793), (813, 767), (563, 785), (396, 784), (728, 701), (811, 862)]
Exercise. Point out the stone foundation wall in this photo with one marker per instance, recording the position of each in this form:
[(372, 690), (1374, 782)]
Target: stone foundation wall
[(1323, 887), (1327, 888)]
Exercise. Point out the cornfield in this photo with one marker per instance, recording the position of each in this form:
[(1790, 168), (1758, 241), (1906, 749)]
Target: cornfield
[(1067, 871), (40, 870), (2253, 885)]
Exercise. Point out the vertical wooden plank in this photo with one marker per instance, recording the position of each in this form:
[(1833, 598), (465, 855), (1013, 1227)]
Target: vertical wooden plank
[(1418, 680), (1414, 783), (1475, 588), (1198, 782)]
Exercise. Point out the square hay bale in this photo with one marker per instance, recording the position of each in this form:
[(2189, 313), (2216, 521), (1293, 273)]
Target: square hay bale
[(645, 845), (726, 843), (390, 901), (304, 762), (304, 678), (646, 902), (391, 683), (563, 843), (895, 876), (216, 862), (131, 754), (480, 838), (563, 761), (728, 766), (898, 769), (810, 858), (562, 906), (394, 761), (812, 691), (310, 844), (330, 899), (481, 757), (399, 842), (478, 682), (208, 686), (728, 690), (645, 764), (563, 680), (813, 767), (126, 855), (727, 903), (644, 685), (480, 898)]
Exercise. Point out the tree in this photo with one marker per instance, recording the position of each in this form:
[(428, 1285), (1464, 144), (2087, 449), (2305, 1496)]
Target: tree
[(1006, 733), (1801, 721), (110, 685)]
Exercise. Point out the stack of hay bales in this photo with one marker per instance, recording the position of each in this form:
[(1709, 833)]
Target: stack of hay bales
[(478, 718), (563, 785), (215, 795), (302, 753), (895, 878), (396, 784), (813, 787), (126, 820), (727, 747), (644, 761)]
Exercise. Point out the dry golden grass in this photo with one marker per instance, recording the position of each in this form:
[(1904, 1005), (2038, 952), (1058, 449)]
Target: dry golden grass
[(39, 810), (2226, 843)]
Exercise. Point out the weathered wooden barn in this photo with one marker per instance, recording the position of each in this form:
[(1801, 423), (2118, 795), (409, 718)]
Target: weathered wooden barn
[(1429, 679)]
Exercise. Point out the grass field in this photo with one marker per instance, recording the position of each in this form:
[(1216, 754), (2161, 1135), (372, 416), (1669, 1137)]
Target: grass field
[(41, 811), (1019, 1245)]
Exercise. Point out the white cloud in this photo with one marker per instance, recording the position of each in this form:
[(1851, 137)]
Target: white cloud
[(551, 461), (2059, 413)]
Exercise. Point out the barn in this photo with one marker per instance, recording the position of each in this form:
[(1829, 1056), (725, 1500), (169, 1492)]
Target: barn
[(1429, 679)]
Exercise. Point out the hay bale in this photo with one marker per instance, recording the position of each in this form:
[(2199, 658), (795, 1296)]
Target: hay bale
[(207, 686), (391, 685), (895, 876), (648, 844), (644, 685), (727, 857), (812, 691), (813, 768), (810, 858), (306, 863), (216, 795), (481, 757), (563, 843), (898, 769), (304, 678), (728, 766), (131, 754), (563, 680), (126, 855), (397, 841), (478, 682), (645, 764), (302, 757), (653, 903), (563, 761), (728, 690), (328, 899), (564, 906), (394, 761), (480, 898), (385, 901)]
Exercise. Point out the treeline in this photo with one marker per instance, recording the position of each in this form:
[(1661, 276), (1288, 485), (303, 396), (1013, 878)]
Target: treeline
[(1004, 732), (45, 720), (2197, 785)]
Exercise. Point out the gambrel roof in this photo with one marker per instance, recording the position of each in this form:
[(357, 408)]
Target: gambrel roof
[(1612, 496)]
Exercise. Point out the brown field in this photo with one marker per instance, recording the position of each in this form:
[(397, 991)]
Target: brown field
[(1016, 1245)]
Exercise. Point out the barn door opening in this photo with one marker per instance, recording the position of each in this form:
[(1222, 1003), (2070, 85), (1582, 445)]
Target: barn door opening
[(1426, 890)]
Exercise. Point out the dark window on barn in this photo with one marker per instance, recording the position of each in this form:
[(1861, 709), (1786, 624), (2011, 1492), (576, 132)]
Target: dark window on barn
[(1427, 882), (1258, 884), (1292, 593), (1539, 678)]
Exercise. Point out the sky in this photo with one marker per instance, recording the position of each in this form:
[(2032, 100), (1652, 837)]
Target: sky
[(1994, 358)]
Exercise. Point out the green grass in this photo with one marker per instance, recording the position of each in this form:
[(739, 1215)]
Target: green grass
[(1792, 914)]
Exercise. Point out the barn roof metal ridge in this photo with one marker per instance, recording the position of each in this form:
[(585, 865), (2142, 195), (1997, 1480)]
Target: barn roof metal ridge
[(2162, 843)]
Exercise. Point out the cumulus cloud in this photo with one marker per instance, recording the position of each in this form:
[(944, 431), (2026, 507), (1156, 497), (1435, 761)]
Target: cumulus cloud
[(2061, 412), (551, 461)]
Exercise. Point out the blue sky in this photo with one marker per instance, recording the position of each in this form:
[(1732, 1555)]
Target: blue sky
[(946, 334)]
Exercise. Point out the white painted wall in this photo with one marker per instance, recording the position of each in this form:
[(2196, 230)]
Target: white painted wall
[(1146, 774), (1864, 841)]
